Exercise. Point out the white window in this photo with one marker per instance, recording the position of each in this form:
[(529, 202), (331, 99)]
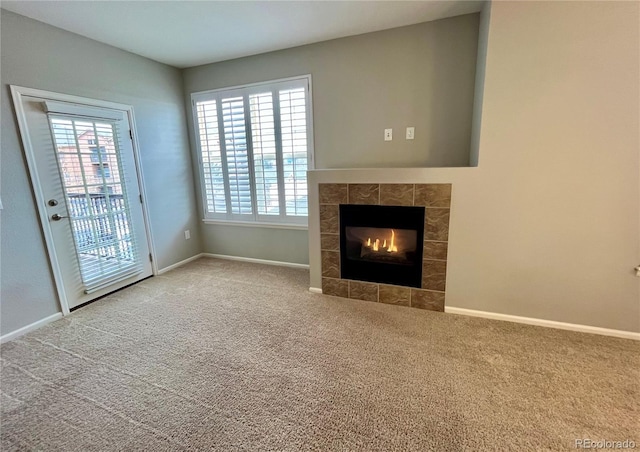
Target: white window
[(255, 144)]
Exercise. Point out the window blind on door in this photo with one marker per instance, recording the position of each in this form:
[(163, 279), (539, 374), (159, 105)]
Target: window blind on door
[(97, 202), (82, 111)]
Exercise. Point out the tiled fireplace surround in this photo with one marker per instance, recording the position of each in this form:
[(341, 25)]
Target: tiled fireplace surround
[(436, 198)]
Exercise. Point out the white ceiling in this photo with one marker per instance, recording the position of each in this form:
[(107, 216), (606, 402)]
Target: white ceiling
[(190, 33)]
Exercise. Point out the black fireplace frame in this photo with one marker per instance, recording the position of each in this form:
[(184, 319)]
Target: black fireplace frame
[(390, 217)]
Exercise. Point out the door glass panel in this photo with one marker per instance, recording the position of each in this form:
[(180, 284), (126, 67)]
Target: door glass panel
[(97, 203)]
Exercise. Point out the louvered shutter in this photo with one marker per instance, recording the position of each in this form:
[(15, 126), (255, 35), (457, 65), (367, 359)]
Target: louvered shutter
[(211, 157), (255, 151), (235, 142), (264, 153), (294, 149)]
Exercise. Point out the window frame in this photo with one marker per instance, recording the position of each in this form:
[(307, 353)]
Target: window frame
[(254, 219)]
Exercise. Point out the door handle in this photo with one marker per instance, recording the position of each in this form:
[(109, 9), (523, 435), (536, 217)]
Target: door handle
[(56, 217)]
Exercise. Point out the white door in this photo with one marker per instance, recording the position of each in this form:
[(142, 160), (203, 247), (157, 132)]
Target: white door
[(83, 171)]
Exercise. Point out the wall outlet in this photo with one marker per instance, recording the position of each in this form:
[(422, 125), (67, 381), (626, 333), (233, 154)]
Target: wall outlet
[(187, 234), (410, 133), (388, 134)]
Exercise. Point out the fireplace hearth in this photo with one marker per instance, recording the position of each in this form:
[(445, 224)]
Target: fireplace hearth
[(380, 244)]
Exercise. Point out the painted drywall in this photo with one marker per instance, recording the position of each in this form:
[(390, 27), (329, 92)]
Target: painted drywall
[(39, 56), (281, 245), (421, 75), (481, 63), (548, 225)]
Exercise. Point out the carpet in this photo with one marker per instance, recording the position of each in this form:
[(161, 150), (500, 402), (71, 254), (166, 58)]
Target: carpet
[(222, 355)]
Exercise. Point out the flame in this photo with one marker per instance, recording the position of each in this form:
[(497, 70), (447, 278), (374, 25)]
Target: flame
[(392, 247)]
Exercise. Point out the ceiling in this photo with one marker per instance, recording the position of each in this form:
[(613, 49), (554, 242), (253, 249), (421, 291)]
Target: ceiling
[(190, 33)]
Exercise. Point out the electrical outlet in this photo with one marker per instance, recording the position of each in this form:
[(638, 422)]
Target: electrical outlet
[(388, 134), (187, 234), (410, 133)]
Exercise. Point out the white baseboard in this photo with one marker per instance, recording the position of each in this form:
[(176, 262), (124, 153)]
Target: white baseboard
[(315, 290), (179, 264), (26, 329), (546, 323), (255, 261)]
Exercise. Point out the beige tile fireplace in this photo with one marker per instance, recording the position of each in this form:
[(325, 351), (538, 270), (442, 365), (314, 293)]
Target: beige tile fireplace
[(436, 198)]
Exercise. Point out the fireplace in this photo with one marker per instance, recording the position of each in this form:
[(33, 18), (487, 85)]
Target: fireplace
[(385, 243), (382, 244)]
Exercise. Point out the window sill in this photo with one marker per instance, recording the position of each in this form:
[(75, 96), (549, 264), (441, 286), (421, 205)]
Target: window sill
[(254, 224)]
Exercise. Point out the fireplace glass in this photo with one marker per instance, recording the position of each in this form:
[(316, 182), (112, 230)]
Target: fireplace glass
[(382, 244)]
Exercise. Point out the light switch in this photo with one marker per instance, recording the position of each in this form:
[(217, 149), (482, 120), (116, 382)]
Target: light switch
[(388, 134), (410, 133)]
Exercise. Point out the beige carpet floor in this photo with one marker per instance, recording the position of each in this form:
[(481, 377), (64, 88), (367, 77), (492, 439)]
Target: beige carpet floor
[(221, 355)]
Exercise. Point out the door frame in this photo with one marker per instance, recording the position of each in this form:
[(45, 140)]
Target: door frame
[(17, 93)]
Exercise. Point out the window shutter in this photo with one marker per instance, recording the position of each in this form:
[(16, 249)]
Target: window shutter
[(264, 153), (255, 151), (293, 122), (235, 140), (211, 157)]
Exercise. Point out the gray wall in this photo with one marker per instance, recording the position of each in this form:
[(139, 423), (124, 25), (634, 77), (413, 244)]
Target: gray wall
[(547, 226), (421, 75), (478, 96), (39, 56), (283, 245), (559, 158)]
